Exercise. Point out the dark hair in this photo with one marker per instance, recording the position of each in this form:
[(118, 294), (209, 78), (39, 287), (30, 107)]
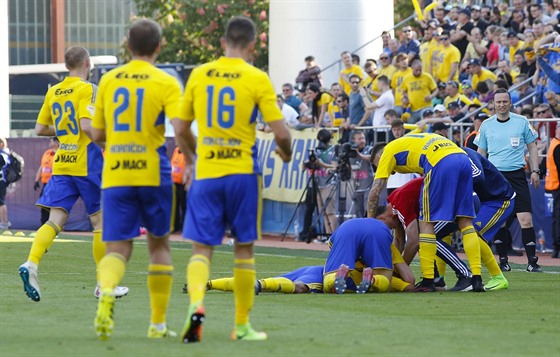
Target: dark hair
[(240, 31), (376, 149), (354, 76), (500, 91), (144, 37), (74, 57), (324, 136), (391, 112), (309, 59), (502, 83), (289, 85), (344, 97), (315, 107), (355, 58), (397, 123), (482, 87), (527, 113)]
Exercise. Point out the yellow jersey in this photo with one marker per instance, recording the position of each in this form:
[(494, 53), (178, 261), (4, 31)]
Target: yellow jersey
[(65, 104), (458, 98), (417, 89), (131, 106), (396, 82), (388, 71), (414, 153), (224, 97), (442, 61), (371, 85), (484, 75), (357, 70)]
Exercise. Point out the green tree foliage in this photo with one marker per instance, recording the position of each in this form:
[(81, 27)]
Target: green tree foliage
[(192, 29), (404, 9)]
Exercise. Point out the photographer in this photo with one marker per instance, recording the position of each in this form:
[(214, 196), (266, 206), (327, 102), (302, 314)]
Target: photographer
[(320, 186), (362, 172)]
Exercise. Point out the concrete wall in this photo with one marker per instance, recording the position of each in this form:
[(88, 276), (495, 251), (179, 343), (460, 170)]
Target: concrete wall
[(323, 28)]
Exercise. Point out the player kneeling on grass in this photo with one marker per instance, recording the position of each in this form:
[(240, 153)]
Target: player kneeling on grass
[(361, 239)]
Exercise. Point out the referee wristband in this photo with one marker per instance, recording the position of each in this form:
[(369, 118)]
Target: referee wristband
[(537, 172)]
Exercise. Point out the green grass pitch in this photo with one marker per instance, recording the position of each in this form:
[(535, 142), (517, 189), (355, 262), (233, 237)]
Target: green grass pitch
[(521, 321)]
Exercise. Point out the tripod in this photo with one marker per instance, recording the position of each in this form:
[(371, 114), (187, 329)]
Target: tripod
[(316, 197)]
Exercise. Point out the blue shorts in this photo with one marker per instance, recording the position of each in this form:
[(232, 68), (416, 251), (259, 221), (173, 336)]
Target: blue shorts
[(492, 215), (125, 209), (63, 191), (360, 239), (227, 202), (447, 190), (307, 275)]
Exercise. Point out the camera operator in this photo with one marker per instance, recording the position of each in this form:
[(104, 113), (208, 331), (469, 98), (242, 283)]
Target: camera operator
[(362, 172), (319, 165)]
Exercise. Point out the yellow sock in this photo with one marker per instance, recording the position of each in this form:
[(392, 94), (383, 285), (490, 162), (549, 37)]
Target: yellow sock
[(380, 284), (43, 241), (244, 276), (281, 285), (472, 248), (111, 271), (427, 254), (160, 278), (224, 284), (328, 282), (98, 247), (198, 271), (488, 259)]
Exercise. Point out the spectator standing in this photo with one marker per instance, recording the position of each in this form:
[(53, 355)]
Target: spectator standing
[(380, 106), (320, 103), (445, 60), (396, 82), (409, 45), (419, 88), (463, 30), (552, 184), (4, 161), (385, 67), (503, 138), (310, 74), (348, 70), (44, 174)]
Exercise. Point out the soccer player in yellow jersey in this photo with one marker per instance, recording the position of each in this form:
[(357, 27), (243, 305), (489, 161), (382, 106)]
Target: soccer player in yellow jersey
[(446, 194), (66, 114), (223, 96), (130, 111)]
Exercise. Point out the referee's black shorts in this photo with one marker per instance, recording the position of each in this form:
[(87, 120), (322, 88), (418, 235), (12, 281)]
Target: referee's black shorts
[(518, 181)]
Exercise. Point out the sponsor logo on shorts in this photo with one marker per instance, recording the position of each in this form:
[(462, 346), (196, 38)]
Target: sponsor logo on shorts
[(130, 165)]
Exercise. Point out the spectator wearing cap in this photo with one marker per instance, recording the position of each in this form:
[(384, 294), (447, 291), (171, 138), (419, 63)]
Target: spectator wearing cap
[(396, 83), (441, 128), (479, 74), (477, 20), (467, 89), (454, 111), (445, 60), (477, 121), (419, 88), (431, 119), (453, 95), (409, 45), (464, 28), (515, 44), (440, 97), (476, 48), (440, 111)]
